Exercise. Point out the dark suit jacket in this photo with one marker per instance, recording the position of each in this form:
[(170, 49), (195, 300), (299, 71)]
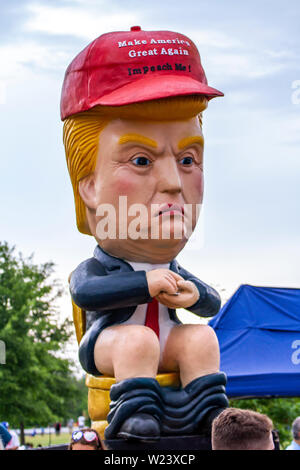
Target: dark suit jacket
[(109, 290)]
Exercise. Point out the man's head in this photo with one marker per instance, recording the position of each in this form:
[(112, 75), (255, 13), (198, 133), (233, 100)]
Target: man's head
[(132, 132), (85, 439), (148, 158), (237, 429), (296, 429)]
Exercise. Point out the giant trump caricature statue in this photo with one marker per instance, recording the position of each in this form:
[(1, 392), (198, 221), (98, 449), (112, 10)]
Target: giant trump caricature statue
[(131, 105)]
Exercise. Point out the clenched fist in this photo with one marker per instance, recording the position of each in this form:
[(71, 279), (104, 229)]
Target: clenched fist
[(187, 295), (162, 281), (171, 289)]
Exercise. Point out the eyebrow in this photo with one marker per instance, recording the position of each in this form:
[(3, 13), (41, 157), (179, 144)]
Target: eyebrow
[(187, 141), (137, 138)]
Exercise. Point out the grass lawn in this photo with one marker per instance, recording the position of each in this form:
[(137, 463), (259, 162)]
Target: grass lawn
[(63, 438)]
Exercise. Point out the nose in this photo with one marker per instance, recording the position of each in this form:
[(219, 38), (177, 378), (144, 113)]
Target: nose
[(168, 176)]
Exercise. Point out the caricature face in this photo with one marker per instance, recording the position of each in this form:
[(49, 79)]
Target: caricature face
[(157, 165)]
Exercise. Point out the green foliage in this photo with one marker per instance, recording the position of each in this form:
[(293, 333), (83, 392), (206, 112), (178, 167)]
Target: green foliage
[(37, 386), (282, 411), (78, 403)]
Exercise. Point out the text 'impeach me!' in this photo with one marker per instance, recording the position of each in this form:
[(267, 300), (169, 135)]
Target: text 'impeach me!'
[(158, 68)]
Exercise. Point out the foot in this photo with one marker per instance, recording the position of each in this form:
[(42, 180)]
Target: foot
[(140, 426)]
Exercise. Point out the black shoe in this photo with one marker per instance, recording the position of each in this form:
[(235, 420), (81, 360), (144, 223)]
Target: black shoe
[(136, 410), (140, 426), (205, 427)]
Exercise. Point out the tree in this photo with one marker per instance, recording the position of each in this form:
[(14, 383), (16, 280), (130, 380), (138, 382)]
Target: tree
[(36, 383), (282, 411)]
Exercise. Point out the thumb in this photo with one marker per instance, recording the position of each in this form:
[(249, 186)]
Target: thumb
[(185, 285)]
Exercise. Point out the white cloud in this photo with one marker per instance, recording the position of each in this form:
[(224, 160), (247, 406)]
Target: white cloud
[(3, 87), (243, 65), (240, 98), (282, 54), (273, 128), (214, 38), (264, 264), (18, 57), (236, 59), (289, 128), (79, 21)]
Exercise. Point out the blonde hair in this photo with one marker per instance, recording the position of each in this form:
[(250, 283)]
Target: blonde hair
[(81, 135)]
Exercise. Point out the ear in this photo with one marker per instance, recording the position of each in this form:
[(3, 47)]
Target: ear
[(87, 191)]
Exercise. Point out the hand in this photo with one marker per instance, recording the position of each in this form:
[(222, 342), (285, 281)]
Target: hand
[(162, 280), (187, 296)]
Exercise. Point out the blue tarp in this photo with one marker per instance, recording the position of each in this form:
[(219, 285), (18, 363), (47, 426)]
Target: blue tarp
[(259, 335)]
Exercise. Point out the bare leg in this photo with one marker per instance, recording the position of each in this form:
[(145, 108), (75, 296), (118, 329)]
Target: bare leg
[(127, 351), (193, 350)]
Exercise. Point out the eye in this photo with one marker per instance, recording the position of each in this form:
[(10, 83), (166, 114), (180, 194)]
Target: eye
[(141, 161), (186, 161)]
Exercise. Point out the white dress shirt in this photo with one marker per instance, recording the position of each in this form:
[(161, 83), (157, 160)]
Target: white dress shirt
[(139, 315)]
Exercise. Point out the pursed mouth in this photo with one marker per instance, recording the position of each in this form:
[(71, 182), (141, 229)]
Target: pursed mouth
[(171, 209)]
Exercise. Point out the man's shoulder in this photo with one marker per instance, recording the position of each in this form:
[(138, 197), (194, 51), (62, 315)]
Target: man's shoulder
[(90, 262), (90, 266), (15, 439), (293, 446)]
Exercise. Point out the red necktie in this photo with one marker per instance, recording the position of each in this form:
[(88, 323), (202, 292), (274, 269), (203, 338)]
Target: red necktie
[(152, 316)]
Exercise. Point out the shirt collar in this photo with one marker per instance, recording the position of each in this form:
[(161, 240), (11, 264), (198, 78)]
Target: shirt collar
[(112, 263)]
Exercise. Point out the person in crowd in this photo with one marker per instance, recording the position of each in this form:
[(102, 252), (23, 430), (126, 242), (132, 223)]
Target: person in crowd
[(85, 439), (70, 425), (24, 447), (81, 422), (57, 428), (14, 443), (5, 436), (295, 444), (238, 429)]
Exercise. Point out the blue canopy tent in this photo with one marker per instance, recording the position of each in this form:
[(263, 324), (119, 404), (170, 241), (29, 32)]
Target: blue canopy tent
[(259, 335)]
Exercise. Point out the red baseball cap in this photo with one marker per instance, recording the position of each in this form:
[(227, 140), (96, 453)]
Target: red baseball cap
[(133, 66)]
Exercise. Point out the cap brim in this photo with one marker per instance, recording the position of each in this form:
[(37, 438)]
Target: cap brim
[(153, 88)]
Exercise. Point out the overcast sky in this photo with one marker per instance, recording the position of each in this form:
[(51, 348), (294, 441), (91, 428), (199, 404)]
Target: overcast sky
[(249, 228)]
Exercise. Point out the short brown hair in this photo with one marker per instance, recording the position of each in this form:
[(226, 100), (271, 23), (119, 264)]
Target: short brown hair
[(237, 429)]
